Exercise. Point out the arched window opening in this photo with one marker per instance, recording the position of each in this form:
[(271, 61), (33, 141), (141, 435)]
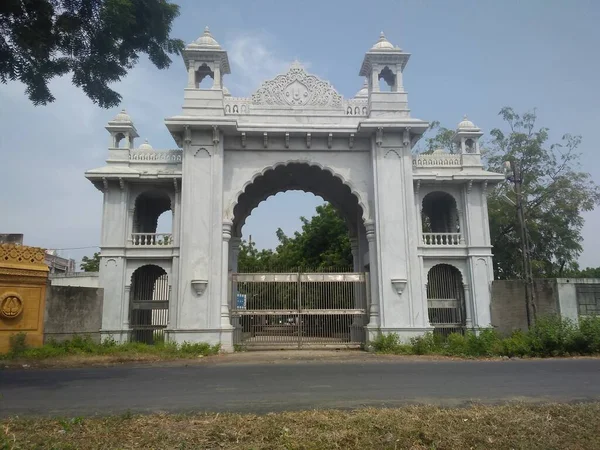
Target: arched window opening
[(387, 80), (120, 140), (470, 145), (149, 311), (445, 299), (204, 77), (149, 207), (440, 219)]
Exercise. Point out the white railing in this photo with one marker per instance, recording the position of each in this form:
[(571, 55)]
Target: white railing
[(156, 156), (151, 239), (441, 239), (437, 160)]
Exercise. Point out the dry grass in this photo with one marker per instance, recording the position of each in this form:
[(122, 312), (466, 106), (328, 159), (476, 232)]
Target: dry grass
[(556, 426)]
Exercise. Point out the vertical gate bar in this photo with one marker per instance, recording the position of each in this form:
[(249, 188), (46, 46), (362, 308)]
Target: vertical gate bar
[(299, 301)]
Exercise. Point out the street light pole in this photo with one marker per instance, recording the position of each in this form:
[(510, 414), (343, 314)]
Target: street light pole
[(516, 177)]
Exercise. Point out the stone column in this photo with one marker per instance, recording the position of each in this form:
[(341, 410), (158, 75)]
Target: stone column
[(191, 75), (217, 77), (375, 79), (234, 251), (130, 213), (225, 318), (461, 224), (374, 317), (126, 305), (468, 307)]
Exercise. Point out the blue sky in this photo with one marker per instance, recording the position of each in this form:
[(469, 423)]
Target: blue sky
[(468, 57)]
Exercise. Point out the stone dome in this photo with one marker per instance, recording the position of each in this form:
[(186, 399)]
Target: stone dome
[(466, 123), (122, 117), (226, 92), (145, 146), (207, 40), (440, 151), (364, 91), (383, 44)]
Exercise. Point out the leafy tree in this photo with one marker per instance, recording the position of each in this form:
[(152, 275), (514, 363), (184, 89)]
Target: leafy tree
[(441, 140), (555, 193), (91, 264), (98, 41), (323, 243), (575, 272)]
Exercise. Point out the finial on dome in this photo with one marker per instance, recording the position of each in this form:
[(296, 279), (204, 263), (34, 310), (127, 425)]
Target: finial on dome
[(122, 117), (466, 123), (206, 40), (383, 43), (145, 146)]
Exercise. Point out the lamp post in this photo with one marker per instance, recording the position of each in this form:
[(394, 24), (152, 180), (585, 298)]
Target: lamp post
[(514, 174)]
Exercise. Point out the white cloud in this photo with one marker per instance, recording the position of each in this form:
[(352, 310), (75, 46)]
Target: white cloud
[(253, 59)]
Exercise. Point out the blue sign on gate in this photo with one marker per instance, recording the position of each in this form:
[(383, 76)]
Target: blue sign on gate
[(241, 301)]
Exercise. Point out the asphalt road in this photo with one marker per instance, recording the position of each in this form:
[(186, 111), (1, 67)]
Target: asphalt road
[(291, 386)]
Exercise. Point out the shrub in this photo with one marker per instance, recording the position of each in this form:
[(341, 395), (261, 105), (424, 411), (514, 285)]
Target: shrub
[(18, 344), (486, 343), (456, 345), (587, 337), (426, 344), (517, 344), (552, 336)]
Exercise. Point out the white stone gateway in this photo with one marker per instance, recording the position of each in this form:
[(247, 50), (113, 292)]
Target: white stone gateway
[(418, 223)]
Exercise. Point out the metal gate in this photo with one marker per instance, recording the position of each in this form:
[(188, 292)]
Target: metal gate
[(299, 309), (445, 299), (149, 312)]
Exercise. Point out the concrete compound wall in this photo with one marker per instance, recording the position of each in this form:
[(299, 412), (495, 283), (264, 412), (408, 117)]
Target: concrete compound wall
[(73, 310), (569, 297), (81, 279)]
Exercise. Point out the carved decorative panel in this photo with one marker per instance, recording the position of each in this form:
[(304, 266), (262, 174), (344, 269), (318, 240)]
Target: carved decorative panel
[(297, 88)]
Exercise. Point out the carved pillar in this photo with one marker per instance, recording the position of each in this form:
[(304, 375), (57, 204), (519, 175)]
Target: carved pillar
[(399, 81), (217, 77), (225, 320), (126, 307), (375, 79), (461, 225), (130, 224), (374, 318), (468, 307), (191, 75)]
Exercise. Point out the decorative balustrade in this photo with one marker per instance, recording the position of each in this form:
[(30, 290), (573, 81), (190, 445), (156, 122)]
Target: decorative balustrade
[(156, 156), (437, 160), (354, 107), (441, 239), (235, 105), (151, 239)]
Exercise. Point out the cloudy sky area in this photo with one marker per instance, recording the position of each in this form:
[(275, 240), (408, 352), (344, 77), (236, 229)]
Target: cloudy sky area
[(470, 57)]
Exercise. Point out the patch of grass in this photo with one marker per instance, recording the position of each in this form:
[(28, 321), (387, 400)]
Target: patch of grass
[(550, 336), (85, 346), (555, 426)]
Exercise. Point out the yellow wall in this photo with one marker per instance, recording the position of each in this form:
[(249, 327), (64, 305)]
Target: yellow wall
[(23, 280)]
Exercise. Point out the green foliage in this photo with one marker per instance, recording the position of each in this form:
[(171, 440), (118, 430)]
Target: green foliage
[(323, 243), (17, 343), (79, 345), (91, 264), (97, 41), (389, 343), (555, 193), (550, 336)]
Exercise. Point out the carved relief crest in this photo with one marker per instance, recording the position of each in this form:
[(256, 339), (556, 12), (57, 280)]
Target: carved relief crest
[(297, 88), (11, 305)]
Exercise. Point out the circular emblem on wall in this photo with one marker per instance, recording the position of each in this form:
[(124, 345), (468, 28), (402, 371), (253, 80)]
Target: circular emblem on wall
[(11, 305)]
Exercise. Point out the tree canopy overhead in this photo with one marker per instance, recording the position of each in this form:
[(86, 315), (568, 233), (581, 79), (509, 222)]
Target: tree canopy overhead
[(97, 41)]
